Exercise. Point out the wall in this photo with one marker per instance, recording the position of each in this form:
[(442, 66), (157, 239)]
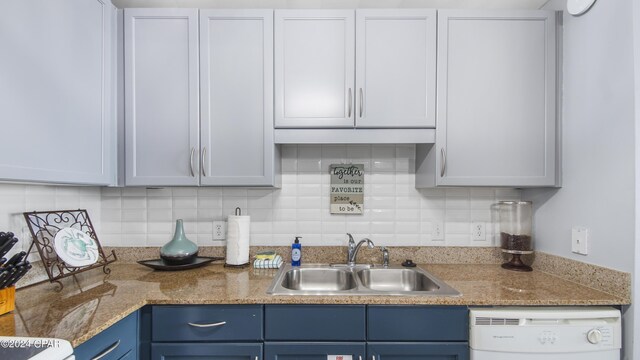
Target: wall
[(597, 141), (598, 146), (395, 212)]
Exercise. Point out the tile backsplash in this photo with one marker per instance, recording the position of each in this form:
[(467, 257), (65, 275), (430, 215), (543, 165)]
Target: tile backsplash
[(396, 214), (18, 198)]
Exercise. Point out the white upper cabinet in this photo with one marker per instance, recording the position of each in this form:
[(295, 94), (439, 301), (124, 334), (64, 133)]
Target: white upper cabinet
[(314, 68), (496, 99), (395, 68), (161, 97), (236, 83), (199, 98), (56, 91), (391, 86)]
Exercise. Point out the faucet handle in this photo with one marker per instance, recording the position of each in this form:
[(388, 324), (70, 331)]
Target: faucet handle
[(351, 241), (385, 256)]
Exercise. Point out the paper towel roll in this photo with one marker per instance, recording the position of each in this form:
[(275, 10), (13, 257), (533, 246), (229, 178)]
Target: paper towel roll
[(238, 228)]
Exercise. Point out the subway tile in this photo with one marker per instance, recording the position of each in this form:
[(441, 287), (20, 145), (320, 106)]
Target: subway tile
[(209, 203), (309, 227), (309, 202), (111, 203), (457, 203), (164, 191), (407, 203), (165, 228), (309, 190), (407, 240), (159, 215), (383, 227), (159, 203), (207, 191), (209, 214), (136, 202), (185, 202), (134, 215), (264, 202), (308, 215), (234, 192), (407, 214), (407, 227), (185, 214), (261, 214), (185, 191), (229, 205)]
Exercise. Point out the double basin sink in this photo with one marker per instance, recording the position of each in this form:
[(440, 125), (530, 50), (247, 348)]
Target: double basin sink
[(357, 280)]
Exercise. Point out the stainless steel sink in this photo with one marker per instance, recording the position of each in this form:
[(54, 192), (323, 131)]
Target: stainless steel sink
[(318, 279), (396, 280), (322, 279)]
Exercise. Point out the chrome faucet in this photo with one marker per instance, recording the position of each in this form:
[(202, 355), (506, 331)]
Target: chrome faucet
[(353, 249), (385, 257)]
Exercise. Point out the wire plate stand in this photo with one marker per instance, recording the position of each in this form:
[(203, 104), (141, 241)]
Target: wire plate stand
[(44, 225)]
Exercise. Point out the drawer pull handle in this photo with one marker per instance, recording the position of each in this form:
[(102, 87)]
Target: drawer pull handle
[(107, 351), (208, 325)]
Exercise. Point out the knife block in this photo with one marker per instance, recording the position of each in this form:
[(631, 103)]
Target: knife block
[(7, 299)]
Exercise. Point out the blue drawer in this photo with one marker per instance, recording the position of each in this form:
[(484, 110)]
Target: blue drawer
[(417, 323), (115, 342), (203, 351), (207, 323), (315, 322), (312, 350)]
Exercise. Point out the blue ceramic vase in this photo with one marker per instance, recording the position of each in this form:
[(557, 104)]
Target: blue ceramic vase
[(179, 250)]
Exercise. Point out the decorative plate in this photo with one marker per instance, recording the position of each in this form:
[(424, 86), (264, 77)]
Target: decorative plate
[(75, 247)]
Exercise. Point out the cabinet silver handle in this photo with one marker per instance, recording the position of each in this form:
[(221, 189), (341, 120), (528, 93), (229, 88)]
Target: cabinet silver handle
[(256, 358), (443, 164), (202, 161), (361, 101), (373, 357), (359, 357), (350, 103), (193, 151), (207, 325), (107, 351)]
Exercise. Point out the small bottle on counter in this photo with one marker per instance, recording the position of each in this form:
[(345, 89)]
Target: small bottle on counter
[(296, 252)]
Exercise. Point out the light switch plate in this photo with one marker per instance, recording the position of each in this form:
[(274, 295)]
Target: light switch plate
[(579, 238)]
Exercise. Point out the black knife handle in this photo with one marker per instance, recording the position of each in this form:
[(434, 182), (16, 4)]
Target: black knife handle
[(18, 275), (15, 259), (6, 247)]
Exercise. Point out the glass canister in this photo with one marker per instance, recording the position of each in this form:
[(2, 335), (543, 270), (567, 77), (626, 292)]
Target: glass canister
[(513, 223)]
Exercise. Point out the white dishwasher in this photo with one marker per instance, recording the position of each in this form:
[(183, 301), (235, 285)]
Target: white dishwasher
[(550, 333)]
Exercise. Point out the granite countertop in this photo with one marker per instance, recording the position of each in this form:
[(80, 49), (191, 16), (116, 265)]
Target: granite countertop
[(96, 301)]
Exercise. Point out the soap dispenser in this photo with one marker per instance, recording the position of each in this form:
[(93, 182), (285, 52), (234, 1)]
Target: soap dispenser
[(296, 252)]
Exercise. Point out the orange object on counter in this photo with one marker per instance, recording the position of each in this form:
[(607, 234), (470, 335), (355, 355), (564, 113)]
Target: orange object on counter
[(7, 299)]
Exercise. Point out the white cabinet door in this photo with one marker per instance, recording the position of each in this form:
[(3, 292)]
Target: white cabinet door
[(236, 77), (314, 68), (56, 91), (395, 68), (161, 97), (496, 98)]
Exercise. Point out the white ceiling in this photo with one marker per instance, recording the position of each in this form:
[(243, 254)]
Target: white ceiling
[(346, 4)]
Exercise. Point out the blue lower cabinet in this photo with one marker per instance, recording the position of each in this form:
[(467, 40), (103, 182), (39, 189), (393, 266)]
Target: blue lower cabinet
[(312, 350), (204, 351), (131, 355), (418, 351), (116, 342)]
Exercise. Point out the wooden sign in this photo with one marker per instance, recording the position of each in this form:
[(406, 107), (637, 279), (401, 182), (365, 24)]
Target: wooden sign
[(347, 188)]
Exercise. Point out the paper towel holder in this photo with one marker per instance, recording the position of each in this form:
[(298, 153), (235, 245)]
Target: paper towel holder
[(237, 212)]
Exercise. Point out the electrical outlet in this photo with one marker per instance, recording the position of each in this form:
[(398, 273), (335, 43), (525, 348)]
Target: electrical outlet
[(579, 237), (478, 231), (219, 230), (438, 231)]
